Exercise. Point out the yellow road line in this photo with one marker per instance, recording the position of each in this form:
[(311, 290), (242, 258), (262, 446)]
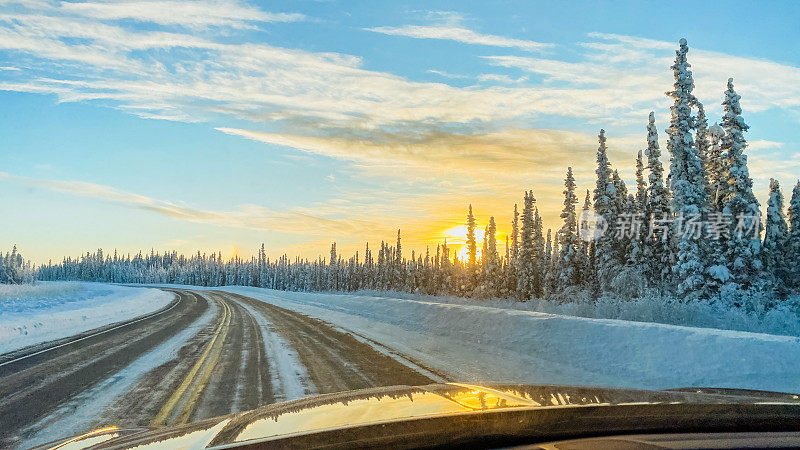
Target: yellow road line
[(188, 407), (161, 418)]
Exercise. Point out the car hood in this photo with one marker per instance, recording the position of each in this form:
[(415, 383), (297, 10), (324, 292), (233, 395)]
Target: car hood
[(399, 403)]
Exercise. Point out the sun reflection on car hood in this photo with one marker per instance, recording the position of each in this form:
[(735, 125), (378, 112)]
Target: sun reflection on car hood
[(400, 403)]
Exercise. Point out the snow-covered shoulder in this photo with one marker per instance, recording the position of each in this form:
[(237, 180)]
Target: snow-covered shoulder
[(48, 310), (482, 344)]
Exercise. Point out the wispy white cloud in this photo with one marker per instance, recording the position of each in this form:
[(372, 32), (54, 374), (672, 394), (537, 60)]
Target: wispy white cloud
[(445, 74), (763, 144), (626, 69), (449, 25), (191, 14), (245, 216), (460, 34), (437, 166), (555, 70), (525, 149), (173, 75), (499, 78)]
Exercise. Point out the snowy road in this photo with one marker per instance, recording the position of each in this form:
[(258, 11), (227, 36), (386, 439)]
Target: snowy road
[(206, 354), (215, 351)]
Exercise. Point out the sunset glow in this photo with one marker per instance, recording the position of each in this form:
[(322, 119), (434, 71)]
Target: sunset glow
[(457, 239), (329, 138)]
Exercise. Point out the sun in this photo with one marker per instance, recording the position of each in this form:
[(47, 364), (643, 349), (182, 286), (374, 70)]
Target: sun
[(457, 238), (463, 253)]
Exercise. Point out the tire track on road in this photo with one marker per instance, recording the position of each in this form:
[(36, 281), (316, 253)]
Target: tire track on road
[(287, 375), (229, 374), (335, 361)]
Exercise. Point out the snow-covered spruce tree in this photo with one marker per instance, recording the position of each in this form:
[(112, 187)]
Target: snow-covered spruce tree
[(622, 246), (713, 248), (472, 249), (508, 252), (491, 261), (621, 192), (332, 272), (538, 254), (485, 245), (702, 141), (606, 258), (636, 211), (369, 280), (380, 267), (776, 240), (569, 272), (716, 169), (587, 206), (743, 252), (549, 283), (510, 272), (630, 281), (689, 192), (551, 272), (710, 161), (482, 266), (515, 234), (641, 185), (656, 250), (635, 256), (716, 244), (793, 249), (526, 263), (585, 266), (436, 266), (446, 269), (399, 267)]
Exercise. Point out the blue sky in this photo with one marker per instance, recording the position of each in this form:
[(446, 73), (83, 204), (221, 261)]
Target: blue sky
[(221, 124)]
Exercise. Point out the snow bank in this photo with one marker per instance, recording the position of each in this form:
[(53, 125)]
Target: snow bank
[(476, 343), (782, 317), (49, 310)]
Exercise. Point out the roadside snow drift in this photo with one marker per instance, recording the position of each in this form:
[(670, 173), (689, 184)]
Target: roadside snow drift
[(45, 311), (474, 343)]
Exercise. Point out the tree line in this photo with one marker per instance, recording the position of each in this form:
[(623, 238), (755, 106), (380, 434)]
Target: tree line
[(695, 233)]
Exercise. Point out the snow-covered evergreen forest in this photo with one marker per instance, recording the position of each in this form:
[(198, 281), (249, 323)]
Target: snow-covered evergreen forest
[(14, 269), (695, 232)]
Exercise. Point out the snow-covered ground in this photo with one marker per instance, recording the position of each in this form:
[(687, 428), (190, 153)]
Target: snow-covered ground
[(784, 318), (49, 310), (477, 343)]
